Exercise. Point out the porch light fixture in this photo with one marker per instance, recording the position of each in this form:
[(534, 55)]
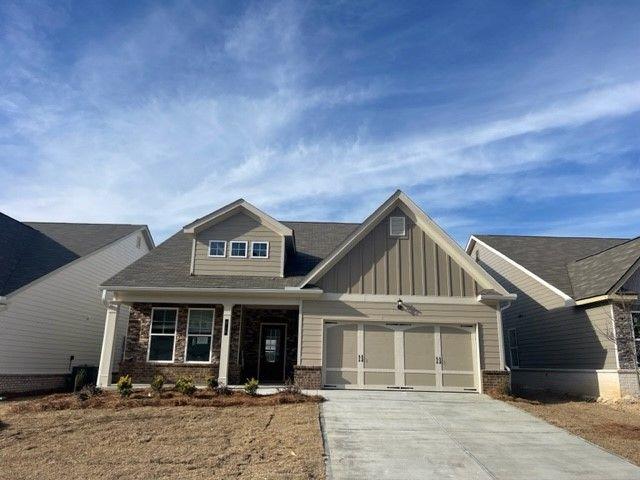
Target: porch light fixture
[(400, 304)]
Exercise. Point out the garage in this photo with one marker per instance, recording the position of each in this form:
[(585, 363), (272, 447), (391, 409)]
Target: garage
[(400, 356)]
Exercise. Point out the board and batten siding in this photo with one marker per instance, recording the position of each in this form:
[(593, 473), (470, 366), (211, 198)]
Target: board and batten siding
[(550, 334), (411, 265), (314, 312), (62, 314), (240, 227)]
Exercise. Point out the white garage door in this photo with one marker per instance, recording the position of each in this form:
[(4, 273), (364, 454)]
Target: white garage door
[(399, 356)]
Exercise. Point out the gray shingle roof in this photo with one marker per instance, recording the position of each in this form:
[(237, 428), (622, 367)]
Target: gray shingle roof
[(30, 250), (168, 264), (559, 260)]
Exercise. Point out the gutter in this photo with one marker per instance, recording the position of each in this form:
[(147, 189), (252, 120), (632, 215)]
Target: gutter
[(287, 291), (603, 298), (509, 297)]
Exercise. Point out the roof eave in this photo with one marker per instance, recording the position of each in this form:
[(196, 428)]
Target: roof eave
[(285, 292)]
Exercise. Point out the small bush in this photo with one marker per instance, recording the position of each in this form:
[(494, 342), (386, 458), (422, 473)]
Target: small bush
[(185, 386), (223, 390), (157, 383), (212, 383), (125, 386), (88, 391), (290, 388), (80, 380), (251, 387)]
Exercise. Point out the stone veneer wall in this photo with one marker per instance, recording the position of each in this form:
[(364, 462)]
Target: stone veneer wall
[(625, 340)]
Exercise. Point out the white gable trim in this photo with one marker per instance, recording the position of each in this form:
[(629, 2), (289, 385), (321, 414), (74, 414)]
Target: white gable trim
[(230, 209), (567, 299), (399, 199)]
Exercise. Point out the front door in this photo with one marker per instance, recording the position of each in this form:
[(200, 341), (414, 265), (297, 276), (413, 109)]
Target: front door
[(272, 353)]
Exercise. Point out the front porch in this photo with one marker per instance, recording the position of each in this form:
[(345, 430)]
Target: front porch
[(229, 342)]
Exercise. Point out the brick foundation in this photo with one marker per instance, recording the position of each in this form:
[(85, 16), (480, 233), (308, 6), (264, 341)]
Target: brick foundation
[(498, 380), (32, 384), (308, 378)]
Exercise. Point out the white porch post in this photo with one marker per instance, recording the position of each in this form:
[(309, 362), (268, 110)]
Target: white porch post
[(224, 345), (108, 344)]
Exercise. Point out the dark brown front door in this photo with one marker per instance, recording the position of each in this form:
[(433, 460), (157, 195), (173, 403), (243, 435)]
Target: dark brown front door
[(272, 353)]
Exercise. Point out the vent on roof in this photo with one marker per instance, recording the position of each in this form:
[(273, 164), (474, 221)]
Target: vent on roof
[(397, 226)]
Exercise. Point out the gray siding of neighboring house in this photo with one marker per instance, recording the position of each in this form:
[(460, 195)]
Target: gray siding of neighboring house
[(314, 312), (62, 314), (385, 265), (550, 335), (633, 283), (239, 227)]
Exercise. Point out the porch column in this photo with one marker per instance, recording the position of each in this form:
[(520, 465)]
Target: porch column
[(224, 345), (108, 344)]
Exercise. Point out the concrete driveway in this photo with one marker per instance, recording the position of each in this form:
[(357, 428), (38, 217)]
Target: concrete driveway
[(404, 435)]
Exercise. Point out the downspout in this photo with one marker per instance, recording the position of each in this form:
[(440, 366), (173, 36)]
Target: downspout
[(503, 358)]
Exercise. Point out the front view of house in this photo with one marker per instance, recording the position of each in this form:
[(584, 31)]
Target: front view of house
[(391, 303)]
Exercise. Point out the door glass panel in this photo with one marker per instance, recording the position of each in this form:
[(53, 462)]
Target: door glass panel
[(419, 348), (341, 346), (379, 349), (272, 345), (457, 351)]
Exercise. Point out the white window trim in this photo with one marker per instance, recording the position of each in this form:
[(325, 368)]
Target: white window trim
[(404, 231), (186, 345), (636, 340), (517, 347), (246, 249), (260, 258), (175, 328), (224, 254)]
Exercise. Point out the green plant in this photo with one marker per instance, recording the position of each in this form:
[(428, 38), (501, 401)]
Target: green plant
[(157, 383), (185, 385), (125, 386), (223, 390), (80, 380), (251, 387), (87, 392), (212, 383)]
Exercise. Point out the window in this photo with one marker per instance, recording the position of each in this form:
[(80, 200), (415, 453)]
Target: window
[(163, 334), (513, 348), (199, 335), (635, 315), (239, 249), (259, 249), (397, 227), (217, 248)]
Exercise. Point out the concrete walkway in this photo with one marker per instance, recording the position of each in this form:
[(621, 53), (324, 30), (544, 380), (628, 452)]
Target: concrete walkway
[(405, 435)]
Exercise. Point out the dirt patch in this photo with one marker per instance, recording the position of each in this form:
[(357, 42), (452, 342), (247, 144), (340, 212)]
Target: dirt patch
[(615, 426), (238, 441)]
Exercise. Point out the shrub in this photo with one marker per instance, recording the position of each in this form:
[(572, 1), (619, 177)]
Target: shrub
[(251, 387), (125, 386), (212, 383), (290, 388), (87, 392), (80, 380), (185, 385), (223, 390), (157, 383)]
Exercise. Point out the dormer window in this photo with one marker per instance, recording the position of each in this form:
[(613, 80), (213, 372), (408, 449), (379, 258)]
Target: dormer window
[(238, 249), (217, 248), (259, 249), (397, 227)]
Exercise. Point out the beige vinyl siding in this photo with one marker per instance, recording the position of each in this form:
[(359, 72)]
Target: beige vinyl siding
[(240, 227), (314, 312), (62, 314), (384, 265), (550, 335)]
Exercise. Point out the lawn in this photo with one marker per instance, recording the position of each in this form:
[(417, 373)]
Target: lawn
[(259, 440), (615, 426)]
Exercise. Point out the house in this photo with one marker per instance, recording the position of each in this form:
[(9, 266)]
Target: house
[(390, 303), (51, 311), (575, 326)]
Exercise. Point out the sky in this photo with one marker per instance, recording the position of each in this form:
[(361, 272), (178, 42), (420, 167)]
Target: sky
[(495, 117)]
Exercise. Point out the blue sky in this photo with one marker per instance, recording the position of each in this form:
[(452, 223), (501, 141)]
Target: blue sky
[(496, 117)]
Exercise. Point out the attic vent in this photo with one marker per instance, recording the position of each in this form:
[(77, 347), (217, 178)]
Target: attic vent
[(397, 227)]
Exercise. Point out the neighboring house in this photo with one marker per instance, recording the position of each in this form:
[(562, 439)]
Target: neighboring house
[(391, 303), (51, 310), (576, 323)]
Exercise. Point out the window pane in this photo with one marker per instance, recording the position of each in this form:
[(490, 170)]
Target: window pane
[(238, 249), (161, 347), (515, 358), (636, 324), (513, 339), (198, 348), (201, 322), (216, 248), (259, 249), (164, 321)]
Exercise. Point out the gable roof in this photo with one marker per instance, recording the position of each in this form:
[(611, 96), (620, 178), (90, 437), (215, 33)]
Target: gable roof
[(579, 267), (231, 209), (168, 264), (401, 200), (30, 250)]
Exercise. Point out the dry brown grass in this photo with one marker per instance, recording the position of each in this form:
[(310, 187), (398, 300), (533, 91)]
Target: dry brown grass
[(262, 437), (615, 426)]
